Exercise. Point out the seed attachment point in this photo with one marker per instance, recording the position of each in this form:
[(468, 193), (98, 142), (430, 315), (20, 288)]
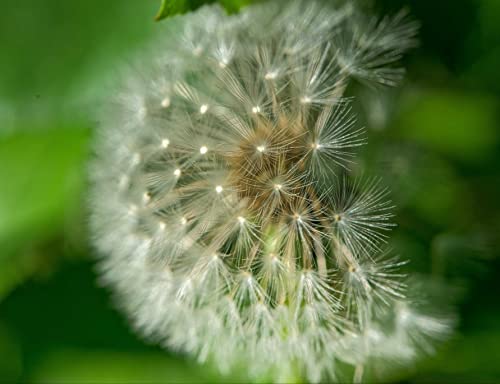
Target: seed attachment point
[(203, 109), (165, 103)]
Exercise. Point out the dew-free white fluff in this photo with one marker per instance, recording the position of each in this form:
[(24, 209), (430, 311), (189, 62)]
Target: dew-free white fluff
[(222, 205)]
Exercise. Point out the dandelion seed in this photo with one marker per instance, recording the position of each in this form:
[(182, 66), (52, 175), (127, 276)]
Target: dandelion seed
[(141, 113), (123, 181), (203, 109), (197, 51), (165, 103), (132, 209), (315, 145), (203, 150), (136, 159), (271, 75), (165, 143)]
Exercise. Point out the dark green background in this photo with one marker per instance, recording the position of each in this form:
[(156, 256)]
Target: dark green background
[(438, 148)]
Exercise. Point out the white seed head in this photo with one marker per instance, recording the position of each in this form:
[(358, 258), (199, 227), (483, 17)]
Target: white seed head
[(232, 258)]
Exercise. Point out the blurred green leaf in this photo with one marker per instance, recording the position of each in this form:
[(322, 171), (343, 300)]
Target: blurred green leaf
[(173, 7), (460, 125), (98, 366), (10, 363), (59, 50), (42, 177), (468, 359), (170, 7), (440, 196), (233, 6)]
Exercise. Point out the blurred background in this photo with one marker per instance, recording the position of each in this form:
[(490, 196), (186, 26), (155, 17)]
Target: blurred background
[(435, 141)]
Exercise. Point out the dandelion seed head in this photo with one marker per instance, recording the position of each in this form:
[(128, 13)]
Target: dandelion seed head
[(261, 249)]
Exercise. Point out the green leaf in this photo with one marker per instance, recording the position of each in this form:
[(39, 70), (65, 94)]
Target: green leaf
[(101, 366), (10, 350), (233, 6), (88, 40), (171, 7), (473, 359), (460, 125), (42, 177)]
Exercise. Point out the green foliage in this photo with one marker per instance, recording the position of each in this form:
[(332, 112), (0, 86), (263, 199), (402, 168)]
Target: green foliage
[(57, 57), (173, 7), (44, 174), (114, 366), (460, 125)]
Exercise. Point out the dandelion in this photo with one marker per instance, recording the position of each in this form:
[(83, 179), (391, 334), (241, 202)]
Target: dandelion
[(222, 205)]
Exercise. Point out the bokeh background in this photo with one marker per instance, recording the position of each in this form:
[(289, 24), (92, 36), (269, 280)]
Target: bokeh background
[(436, 142)]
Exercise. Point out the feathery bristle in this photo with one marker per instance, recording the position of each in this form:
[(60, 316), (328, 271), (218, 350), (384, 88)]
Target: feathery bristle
[(218, 202)]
